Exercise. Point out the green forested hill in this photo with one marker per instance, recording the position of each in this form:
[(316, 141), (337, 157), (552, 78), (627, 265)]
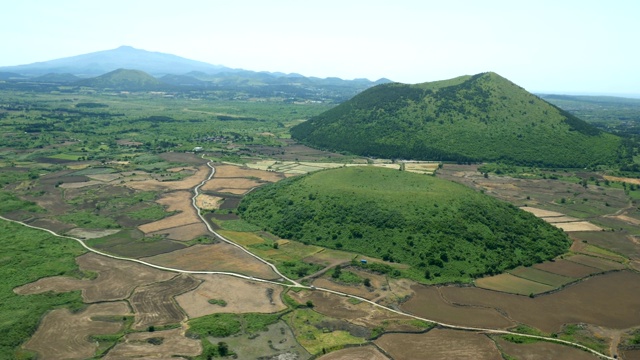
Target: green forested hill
[(471, 118), (444, 230), (124, 79)]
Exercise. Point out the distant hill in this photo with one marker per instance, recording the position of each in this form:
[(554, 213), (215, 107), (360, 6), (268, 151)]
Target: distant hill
[(56, 78), (445, 231), (484, 117), (124, 57), (124, 79)]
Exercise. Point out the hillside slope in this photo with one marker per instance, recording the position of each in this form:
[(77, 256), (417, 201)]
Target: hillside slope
[(470, 118), (444, 230), (124, 79)]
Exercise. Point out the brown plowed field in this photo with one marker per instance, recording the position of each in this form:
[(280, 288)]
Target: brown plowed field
[(223, 171), (361, 314), (611, 300), (428, 303), (566, 268), (439, 344), (560, 219), (154, 304), (543, 351), (174, 201), (540, 212), (115, 281), (241, 295), (174, 343), (63, 335), (185, 232), (185, 184), (217, 184), (630, 354), (215, 257), (356, 353)]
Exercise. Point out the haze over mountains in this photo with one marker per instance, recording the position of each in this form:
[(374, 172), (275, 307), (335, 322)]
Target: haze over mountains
[(174, 72), (484, 117)]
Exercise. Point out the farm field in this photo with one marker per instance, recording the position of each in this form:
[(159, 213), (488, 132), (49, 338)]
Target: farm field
[(439, 344), (356, 353), (215, 257), (115, 279), (154, 304), (177, 201), (428, 302), (590, 301), (540, 276), (165, 343), (239, 295), (63, 335), (512, 284), (542, 351)]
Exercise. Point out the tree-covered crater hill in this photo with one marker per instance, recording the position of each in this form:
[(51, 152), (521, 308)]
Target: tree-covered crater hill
[(444, 231), (484, 117)]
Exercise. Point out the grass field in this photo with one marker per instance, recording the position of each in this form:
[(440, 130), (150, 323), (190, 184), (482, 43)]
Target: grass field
[(512, 284), (540, 276)]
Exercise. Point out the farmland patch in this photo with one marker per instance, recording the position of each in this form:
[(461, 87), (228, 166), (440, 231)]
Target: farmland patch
[(540, 276), (208, 202), (566, 268), (240, 296), (543, 350), (427, 302), (439, 344), (356, 353), (512, 284), (179, 201), (183, 233), (596, 262), (65, 335), (214, 257), (602, 300), (153, 304), (114, 281)]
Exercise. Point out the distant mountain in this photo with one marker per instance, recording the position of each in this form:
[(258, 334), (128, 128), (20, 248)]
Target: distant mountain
[(177, 73), (124, 79), (124, 57), (470, 118)]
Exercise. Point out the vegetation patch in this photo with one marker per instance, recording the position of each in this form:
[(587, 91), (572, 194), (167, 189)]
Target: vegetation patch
[(445, 231), (28, 255)]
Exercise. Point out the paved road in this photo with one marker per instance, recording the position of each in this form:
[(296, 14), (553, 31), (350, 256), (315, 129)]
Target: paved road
[(295, 284)]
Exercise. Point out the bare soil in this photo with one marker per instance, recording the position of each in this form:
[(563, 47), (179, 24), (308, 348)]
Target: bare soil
[(208, 202), (155, 345), (241, 296), (91, 233), (231, 171), (602, 300), (154, 304), (227, 184), (63, 335), (184, 184), (512, 284), (428, 303), (543, 350), (174, 201), (439, 344), (215, 257), (183, 233), (368, 352), (578, 226)]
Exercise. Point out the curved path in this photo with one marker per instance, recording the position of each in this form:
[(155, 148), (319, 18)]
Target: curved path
[(298, 285)]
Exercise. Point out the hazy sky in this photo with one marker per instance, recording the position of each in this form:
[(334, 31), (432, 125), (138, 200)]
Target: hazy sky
[(544, 46)]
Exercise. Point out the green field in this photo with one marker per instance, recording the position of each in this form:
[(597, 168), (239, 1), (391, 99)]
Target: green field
[(403, 217), (28, 255)]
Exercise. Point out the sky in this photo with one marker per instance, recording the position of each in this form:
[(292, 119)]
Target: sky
[(560, 46)]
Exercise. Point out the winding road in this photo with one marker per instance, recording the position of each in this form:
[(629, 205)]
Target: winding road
[(290, 283)]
